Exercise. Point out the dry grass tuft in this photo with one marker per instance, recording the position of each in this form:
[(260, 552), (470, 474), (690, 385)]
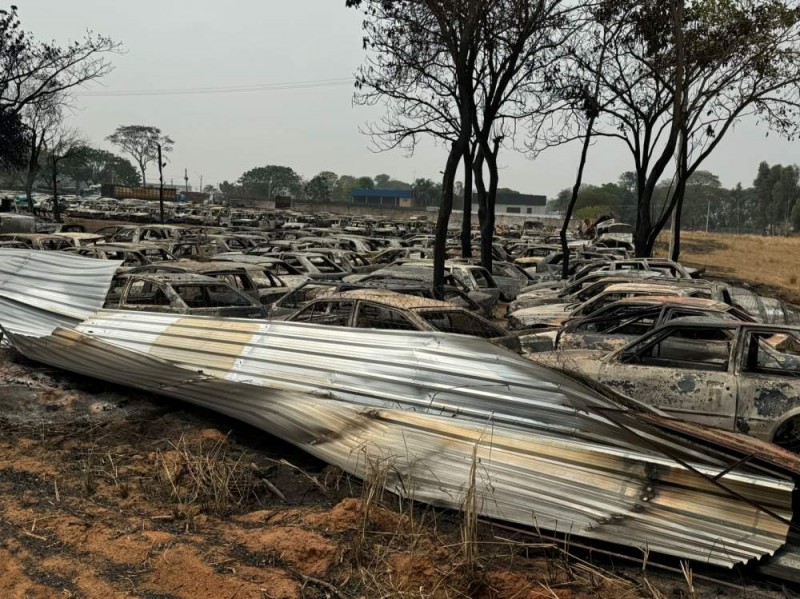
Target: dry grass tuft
[(205, 477)]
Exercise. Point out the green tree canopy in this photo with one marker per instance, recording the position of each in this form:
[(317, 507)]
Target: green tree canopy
[(141, 143), (365, 183), (91, 166), (320, 188), (271, 181), (605, 198)]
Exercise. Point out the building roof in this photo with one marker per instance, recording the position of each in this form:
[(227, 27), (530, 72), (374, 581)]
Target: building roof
[(520, 199), (383, 193)]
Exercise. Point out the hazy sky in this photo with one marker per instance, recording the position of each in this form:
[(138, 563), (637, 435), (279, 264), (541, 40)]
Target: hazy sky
[(191, 44)]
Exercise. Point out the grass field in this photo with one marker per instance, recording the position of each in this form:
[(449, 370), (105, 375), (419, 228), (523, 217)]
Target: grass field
[(769, 264)]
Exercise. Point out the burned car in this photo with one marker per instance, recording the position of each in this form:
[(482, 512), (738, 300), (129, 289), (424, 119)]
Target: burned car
[(383, 309), (623, 321), (131, 254), (556, 314), (312, 265), (577, 292), (473, 279), (38, 241), (180, 293), (728, 374), (253, 280)]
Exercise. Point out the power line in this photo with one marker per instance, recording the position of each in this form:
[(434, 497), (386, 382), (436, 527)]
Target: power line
[(264, 87)]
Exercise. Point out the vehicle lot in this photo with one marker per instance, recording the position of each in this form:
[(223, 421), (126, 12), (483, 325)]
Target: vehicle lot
[(394, 298)]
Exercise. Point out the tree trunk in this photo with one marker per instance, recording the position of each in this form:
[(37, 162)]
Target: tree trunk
[(487, 227), (466, 219), (480, 187), (680, 192), (571, 206), (645, 234), (29, 179), (160, 185), (445, 210), (33, 170), (56, 210)]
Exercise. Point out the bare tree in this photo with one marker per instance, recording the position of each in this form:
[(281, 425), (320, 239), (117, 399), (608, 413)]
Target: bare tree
[(682, 77), (142, 143), (63, 143), (40, 120), (582, 105), (521, 48), (743, 60), (32, 72), (421, 59)]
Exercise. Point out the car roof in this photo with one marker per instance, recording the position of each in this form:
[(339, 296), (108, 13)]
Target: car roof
[(79, 235), (634, 287), (393, 299), (31, 236), (695, 321), (174, 277), (676, 300), (129, 245)]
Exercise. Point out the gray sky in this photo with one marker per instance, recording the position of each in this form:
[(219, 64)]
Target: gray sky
[(178, 44)]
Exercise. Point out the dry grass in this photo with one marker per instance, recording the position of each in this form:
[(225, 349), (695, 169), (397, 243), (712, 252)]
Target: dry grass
[(761, 261), (205, 477)]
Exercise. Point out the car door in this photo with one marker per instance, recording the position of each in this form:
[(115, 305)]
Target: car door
[(611, 329), (768, 380), (371, 315), (335, 313), (685, 371)]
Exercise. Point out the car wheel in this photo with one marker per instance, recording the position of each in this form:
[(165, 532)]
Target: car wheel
[(788, 435)]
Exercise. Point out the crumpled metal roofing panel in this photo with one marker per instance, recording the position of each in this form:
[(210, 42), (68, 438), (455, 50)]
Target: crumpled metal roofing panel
[(42, 290), (549, 452)]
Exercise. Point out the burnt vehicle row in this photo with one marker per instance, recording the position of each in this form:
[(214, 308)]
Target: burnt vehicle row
[(322, 273), (321, 316)]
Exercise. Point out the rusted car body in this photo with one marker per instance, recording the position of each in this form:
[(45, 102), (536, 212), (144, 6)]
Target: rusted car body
[(579, 291), (253, 280), (38, 241), (557, 314), (312, 265), (181, 293), (131, 254), (388, 310), (161, 234), (475, 280), (724, 373), (619, 323)]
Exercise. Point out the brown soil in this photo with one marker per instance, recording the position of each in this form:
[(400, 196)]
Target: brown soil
[(107, 492)]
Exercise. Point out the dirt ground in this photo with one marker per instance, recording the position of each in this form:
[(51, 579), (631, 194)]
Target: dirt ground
[(769, 265), (107, 492)]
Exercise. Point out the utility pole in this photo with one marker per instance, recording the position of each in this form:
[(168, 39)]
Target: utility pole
[(186, 180), (161, 165)]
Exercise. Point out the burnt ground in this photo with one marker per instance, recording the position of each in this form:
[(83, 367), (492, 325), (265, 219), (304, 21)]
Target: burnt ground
[(109, 492)]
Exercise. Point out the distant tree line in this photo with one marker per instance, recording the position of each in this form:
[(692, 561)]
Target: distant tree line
[(770, 205), (272, 181)]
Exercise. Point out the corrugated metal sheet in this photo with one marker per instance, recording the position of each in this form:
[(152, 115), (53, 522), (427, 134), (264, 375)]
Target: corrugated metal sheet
[(42, 290), (420, 404)]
